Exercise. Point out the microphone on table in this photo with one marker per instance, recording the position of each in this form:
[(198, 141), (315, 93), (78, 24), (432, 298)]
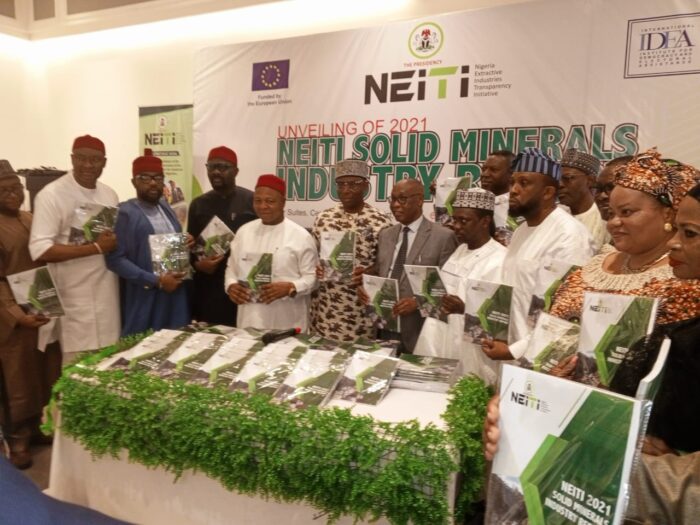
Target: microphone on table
[(276, 335)]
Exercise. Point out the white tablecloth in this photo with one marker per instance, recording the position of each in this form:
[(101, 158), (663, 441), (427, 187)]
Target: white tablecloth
[(134, 493)]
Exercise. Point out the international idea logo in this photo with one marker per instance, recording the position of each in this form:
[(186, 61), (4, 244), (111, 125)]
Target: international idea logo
[(425, 41), (662, 46)]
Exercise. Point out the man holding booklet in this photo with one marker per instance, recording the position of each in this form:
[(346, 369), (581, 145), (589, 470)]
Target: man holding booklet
[(150, 298), (89, 291)]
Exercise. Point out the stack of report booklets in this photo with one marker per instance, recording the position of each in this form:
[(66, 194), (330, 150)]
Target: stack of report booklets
[(487, 310), (428, 288), (257, 269), (313, 379), (549, 278), (265, 371), (169, 253), (197, 348), (445, 192), (367, 378), (611, 324), (383, 295), (552, 341), (222, 367), (215, 239), (89, 220), (35, 292), (362, 344), (161, 341), (431, 374), (337, 255), (566, 449)]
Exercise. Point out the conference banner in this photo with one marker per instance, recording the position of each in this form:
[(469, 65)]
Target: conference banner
[(167, 130), (430, 98)]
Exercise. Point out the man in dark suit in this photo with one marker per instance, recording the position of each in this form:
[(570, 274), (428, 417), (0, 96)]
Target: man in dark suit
[(415, 240)]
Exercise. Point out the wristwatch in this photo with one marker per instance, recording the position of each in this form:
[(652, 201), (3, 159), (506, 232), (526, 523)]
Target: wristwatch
[(292, 291)]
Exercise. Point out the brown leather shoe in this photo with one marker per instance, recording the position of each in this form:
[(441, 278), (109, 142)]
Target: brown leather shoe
[(41, 439), (21, 459)]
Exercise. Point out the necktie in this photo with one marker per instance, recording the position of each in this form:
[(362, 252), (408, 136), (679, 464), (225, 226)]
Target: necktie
[(397, 270)]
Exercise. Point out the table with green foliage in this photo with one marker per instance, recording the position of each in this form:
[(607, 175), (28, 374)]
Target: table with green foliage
[(340, 463)]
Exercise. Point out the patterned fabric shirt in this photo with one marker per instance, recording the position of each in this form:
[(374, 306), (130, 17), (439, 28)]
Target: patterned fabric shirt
[(336, 312)]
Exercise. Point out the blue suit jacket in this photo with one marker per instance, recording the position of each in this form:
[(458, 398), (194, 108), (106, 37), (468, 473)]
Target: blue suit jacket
[(143, 305)]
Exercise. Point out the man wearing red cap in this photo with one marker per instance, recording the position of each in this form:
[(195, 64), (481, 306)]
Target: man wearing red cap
[(234, 206), (148, 301), (89, 291), (284, 301)]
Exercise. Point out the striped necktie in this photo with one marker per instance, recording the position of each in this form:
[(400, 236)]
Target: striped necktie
[(397, 270)]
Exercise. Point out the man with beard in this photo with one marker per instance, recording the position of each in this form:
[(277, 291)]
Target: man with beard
[(547, 233), (605, 183), (148, 300), (578, 177), (336, 312), (234, 206), (496, 174), (89, 291)]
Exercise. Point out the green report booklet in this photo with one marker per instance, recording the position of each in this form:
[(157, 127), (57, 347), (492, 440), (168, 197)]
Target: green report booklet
[(565, 451), (379, 347), (421, 372), (549, 278), (215, 239), (89, 220), (313, 379), (267, 369), (337, 255), (35, 292), (487, 310), (445, 192), (367, 378), (428, 288), (223, 365), (383, 295), (194, 348), (551, 342), (256, 271), (610, 325), (169, 253)]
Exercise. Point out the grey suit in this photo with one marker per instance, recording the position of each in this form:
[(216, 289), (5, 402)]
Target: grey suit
[(432, 246)]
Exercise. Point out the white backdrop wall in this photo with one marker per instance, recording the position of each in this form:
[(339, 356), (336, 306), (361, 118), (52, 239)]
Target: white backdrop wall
[(53, 90)]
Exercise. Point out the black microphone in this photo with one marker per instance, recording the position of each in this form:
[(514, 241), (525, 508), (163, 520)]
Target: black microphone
[(276, 335)]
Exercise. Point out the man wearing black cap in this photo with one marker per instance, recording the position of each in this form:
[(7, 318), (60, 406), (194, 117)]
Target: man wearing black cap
[(234, 206), (21, 364), (89, 291), (548, 233), (148, 301)]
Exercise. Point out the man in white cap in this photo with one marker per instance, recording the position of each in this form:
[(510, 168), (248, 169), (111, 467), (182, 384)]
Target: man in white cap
[(336, 312), (89, 291)]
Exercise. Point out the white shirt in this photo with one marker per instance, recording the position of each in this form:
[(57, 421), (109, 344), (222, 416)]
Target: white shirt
[(485, 264), (596, 226), (89, 292), (294, 259), (500, 212), (412, 230), (559, 236)]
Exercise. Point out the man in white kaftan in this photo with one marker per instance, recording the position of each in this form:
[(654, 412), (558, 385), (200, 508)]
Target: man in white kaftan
[(548, 233), (284, 302), (89, 292)]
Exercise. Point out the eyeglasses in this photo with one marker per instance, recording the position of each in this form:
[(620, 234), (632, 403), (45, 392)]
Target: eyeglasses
[(403, 199), (142, 177), (349, 185), (88, 159), (16, 189), (218, 166)]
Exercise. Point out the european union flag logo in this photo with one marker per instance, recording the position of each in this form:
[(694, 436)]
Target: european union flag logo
[(271, 75)]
